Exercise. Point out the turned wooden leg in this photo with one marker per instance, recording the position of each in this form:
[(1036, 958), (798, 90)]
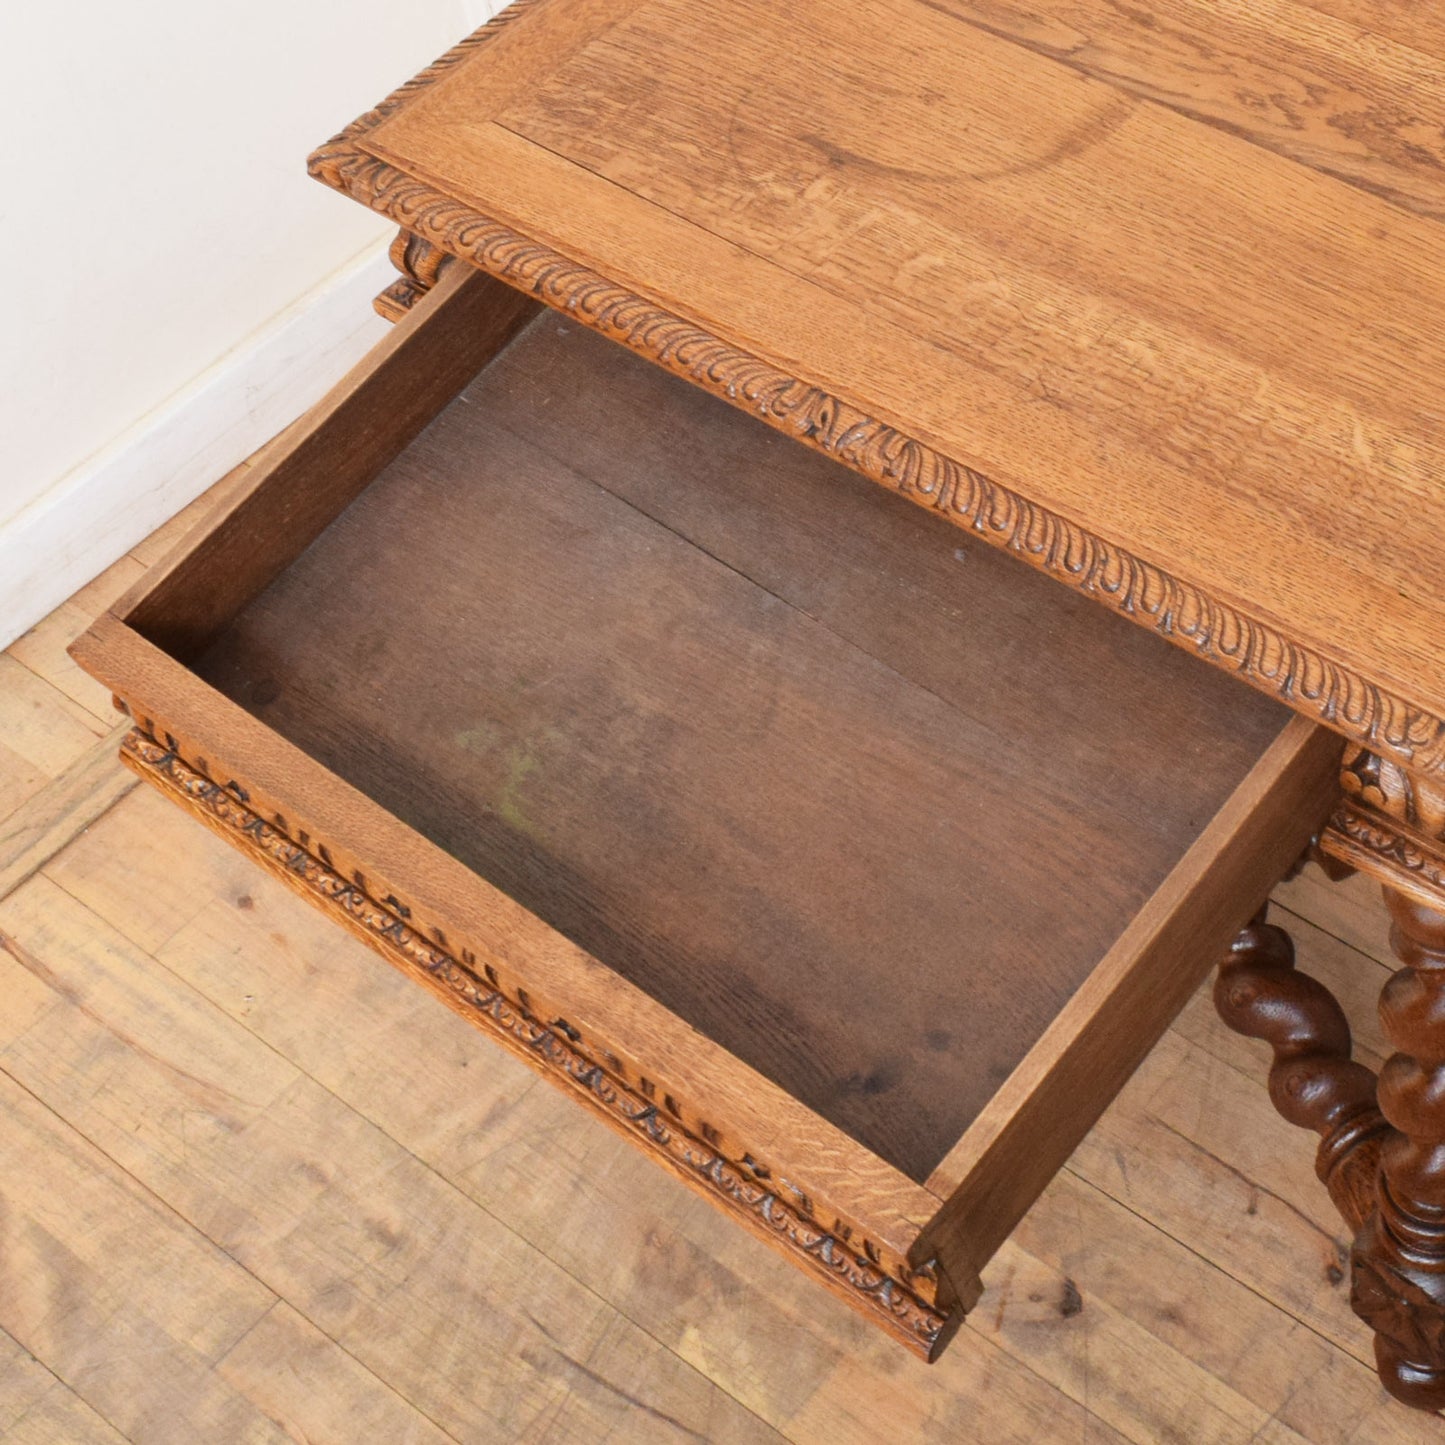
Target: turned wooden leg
[(420, 264), (1313, 1081), (1399, 1258)]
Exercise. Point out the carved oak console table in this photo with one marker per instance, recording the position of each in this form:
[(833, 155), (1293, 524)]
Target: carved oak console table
[(569, 654)]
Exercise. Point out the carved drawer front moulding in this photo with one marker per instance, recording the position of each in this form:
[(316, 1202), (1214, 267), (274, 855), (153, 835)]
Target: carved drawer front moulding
[(901, 1299)]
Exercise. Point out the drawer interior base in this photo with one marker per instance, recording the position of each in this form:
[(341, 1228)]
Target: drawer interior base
[(860, 799)]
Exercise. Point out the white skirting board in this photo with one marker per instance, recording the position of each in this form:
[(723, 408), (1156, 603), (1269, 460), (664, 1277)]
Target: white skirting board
[(95, 514)]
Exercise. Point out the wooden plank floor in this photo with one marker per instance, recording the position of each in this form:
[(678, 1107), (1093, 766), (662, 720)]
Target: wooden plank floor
[(256, 1187)]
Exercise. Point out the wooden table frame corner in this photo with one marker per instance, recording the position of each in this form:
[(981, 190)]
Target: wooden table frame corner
[(1382, 1140), (1381, 1153)]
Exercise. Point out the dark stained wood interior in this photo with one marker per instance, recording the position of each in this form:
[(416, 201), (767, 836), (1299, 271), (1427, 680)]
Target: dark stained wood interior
[(857, 797)]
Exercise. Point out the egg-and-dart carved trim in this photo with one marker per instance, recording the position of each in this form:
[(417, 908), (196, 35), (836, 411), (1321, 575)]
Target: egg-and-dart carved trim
[(900, 1307)]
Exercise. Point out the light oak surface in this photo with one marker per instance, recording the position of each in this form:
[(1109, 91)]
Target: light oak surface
[(225, 1217), (1173, 274)]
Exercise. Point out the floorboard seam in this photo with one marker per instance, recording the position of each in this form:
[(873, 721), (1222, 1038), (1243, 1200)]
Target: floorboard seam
[(431, 1169)]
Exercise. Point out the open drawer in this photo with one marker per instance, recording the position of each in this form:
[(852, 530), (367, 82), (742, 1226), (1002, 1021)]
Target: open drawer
[(840, 862)]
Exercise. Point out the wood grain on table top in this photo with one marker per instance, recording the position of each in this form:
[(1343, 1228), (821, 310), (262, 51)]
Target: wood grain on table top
[(1173, 272)]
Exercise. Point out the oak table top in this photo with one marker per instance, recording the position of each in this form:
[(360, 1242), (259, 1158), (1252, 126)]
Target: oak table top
[(1158, 306)]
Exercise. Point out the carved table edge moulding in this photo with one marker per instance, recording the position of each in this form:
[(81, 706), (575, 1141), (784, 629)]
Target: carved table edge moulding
[(436, 225), (918, 1307)]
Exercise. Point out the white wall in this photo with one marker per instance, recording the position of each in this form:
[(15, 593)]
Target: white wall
[(156, 225)]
